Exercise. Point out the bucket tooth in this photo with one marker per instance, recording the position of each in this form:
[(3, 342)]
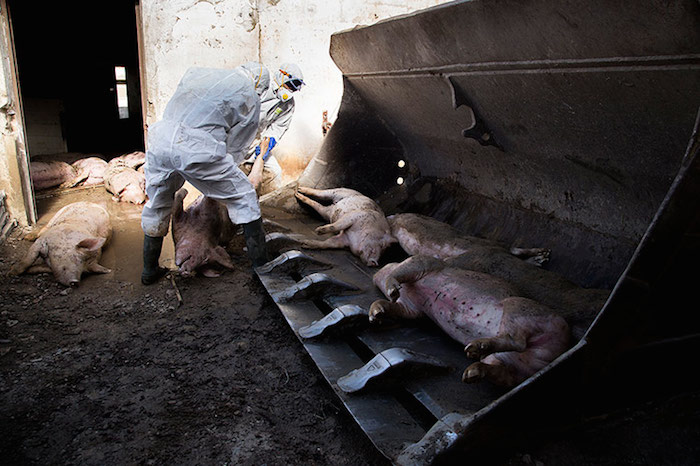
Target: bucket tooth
[(293, 261), (276, 241), (270, 225), (388, 366), (315, 285), (340, 318)]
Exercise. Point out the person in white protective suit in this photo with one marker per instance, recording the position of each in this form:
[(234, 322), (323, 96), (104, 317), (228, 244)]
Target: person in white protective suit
[(276, 111), (204, 135)]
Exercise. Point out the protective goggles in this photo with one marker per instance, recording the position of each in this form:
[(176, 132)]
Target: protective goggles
[(293, 83)]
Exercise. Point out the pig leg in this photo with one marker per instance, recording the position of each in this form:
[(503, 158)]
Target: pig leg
[(39, 268), (177, 204), (343, 223), (493, 371), (382, 308), (518, 326), (324, 211), (39, 248), (412, 269), (535, 256), (514, 341), (332, 195), (334, 242)]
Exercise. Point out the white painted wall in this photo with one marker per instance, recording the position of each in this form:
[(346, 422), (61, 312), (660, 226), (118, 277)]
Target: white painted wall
[(224, 33), (300, 31), (179, 34)]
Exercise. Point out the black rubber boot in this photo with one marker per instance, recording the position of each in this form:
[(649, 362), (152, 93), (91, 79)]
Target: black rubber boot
[(255, 242), (152, 272)]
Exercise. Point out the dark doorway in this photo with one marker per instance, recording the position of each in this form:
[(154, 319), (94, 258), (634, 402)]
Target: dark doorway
[(78, 73)]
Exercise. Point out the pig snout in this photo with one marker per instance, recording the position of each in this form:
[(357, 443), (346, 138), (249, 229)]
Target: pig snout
[(68, 274), (370, 256)]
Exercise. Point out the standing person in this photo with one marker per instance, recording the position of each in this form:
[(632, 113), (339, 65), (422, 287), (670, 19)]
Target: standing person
[(207, 126), (276, 111)]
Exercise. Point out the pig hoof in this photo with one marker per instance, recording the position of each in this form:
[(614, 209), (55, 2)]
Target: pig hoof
[(393, 289), (322, 229), (477, 349), (376, 311), (473, 373)]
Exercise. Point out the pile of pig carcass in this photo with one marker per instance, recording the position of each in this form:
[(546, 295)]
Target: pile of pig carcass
[(71, 243), (513, 317), (122, 176)]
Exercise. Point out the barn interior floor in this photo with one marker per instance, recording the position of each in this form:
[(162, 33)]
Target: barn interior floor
[(123, 252)]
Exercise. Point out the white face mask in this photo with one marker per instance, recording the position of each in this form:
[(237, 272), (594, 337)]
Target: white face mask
[(283, 94)]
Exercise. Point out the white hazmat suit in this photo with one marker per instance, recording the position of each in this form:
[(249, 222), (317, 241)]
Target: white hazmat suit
[(206, 130), (275, 118)]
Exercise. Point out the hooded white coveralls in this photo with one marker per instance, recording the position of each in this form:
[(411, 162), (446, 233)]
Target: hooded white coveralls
[(206, 130), (275, 118)]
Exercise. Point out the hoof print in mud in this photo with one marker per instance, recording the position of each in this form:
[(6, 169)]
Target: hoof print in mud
[(388, 367)]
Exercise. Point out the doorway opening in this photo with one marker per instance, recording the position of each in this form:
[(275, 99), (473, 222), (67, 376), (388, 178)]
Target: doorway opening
[(79, 80)]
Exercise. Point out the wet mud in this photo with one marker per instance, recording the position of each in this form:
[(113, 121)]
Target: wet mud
[(113, 372)]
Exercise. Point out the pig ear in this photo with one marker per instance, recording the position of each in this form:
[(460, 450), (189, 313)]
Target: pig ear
[(91, 244)]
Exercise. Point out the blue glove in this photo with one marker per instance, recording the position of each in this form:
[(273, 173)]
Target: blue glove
[(272, 144), (269, 148)]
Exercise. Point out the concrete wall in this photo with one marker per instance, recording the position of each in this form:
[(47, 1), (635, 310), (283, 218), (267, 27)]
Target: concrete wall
[(225, 33)]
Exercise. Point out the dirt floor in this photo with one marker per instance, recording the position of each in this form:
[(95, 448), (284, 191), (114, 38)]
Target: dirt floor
[(113, 372)]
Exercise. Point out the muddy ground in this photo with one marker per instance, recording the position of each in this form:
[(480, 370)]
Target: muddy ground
[(113, 372)]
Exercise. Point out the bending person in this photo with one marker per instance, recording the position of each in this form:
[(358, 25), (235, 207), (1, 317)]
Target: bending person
[(206, 129)]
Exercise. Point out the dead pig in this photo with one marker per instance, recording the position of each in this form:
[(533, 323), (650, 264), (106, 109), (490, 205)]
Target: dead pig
[(124, 182), (133, 159), (199, 234), (421, 235), (89, 171), (49, 174), (358, 221), (511, 336), (70, 244)]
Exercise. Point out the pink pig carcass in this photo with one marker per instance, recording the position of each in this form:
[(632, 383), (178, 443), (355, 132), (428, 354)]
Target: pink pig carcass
[(357, 220), (421, 235), (89, 171), (124, 182), (200, 233), (46, 175), (133, 159), (70, 244), (511, 337)]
